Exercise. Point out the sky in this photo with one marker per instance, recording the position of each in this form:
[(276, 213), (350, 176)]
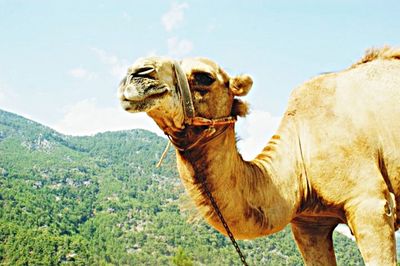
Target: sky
[(61, 61)]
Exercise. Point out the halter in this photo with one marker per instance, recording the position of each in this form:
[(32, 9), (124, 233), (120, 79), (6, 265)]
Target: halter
[(190, 119), (187, 103)]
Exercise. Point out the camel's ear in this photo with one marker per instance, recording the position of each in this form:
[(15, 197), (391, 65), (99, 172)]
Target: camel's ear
[(240, 85)]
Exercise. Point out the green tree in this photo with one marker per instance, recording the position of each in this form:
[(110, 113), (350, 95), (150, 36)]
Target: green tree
[(181, 258)]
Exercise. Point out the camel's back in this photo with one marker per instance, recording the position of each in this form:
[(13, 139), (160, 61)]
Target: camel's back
[(370, 91), (368, 96), (351, 117)]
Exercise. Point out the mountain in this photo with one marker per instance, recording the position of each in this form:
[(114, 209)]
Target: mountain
[(99, 200)]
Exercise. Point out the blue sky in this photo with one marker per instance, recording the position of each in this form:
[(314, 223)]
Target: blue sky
[(61, 61)]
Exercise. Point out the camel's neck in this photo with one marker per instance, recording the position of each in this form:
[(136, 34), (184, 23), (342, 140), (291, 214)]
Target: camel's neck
[(256, 197)]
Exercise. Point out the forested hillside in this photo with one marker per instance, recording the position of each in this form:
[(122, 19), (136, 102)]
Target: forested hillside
[(100, 201)]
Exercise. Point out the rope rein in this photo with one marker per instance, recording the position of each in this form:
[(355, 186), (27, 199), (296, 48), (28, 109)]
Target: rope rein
[(212, 201), (221, 218), (206, 136)]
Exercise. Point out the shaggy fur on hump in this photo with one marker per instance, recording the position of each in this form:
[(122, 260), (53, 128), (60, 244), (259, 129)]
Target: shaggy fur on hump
[(384, 53)]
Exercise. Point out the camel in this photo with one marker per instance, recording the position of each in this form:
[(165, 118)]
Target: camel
[(335, 157)]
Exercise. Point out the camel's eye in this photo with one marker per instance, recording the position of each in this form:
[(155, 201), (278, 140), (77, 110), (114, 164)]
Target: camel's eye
[(203, 79)]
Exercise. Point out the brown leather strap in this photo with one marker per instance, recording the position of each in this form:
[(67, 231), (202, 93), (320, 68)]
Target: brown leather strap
[(205, 137), (184, 92), (201, 121)]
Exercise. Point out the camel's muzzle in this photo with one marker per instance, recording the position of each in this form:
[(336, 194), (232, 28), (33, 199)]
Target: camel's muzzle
[(139, 90)]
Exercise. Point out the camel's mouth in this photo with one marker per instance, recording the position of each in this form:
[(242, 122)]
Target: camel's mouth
[(140, 93)]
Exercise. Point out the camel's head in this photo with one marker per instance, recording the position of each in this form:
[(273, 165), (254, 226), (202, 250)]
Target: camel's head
[(154, 85)]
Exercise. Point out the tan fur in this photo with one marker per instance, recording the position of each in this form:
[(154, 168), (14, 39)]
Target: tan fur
[(334, 159), (241, 85)]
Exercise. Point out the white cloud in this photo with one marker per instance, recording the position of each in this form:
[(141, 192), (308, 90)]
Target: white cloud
[(174, 16), (117, 66), (179, 48), (255, 130), (87, 118), (344, 230), (81, 73)]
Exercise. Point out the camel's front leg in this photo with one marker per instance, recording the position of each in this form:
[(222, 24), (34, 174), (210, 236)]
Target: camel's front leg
[(372, 222), (315, 242)]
